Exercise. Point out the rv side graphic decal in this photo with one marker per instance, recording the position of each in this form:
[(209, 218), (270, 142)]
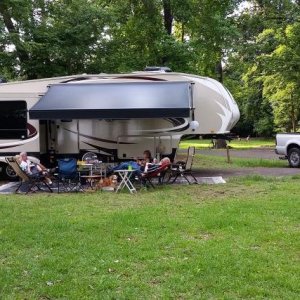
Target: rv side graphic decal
[(96, 138), (179, 124), (32, 135), (104, 151), (227, 114)]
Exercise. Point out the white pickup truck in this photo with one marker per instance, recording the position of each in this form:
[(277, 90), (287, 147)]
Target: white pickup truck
[(288, 146)]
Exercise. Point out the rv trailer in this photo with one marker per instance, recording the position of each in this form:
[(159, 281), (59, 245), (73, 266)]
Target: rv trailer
[(116, 116)]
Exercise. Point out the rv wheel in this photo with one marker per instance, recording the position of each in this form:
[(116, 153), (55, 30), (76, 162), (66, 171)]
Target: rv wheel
[(6, 172)]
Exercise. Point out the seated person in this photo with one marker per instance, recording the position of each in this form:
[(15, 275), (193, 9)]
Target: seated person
[(126, 165), (137, 165), (32, 168), (147, 158), (150, 167)]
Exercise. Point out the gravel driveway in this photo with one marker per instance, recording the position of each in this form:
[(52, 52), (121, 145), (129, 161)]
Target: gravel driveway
[(226, 173)]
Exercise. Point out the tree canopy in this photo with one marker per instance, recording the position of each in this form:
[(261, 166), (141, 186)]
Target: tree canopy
[(253, 47)]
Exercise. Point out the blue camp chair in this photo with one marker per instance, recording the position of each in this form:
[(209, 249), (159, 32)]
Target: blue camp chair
[(68, 176)]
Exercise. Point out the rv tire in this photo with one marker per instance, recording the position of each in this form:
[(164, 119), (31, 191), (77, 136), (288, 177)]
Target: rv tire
[(6, 172)]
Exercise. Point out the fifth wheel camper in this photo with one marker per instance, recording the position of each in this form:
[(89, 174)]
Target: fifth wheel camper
[(115, 116)]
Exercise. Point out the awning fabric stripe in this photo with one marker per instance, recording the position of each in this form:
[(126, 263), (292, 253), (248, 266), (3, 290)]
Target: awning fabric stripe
[(119, 100)]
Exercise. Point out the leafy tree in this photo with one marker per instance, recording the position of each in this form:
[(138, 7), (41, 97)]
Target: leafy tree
[(212, 31), (50, 38), (63, 37), (259, 25), (140, 33), (282, 79)]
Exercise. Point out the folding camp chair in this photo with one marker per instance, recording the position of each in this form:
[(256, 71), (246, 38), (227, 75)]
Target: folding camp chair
[(184, 169), (157, 172), (68, 175), (30, 182)]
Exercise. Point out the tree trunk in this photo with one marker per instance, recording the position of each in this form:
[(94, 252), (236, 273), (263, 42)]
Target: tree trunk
[(168, 18), (220, 144), (293, 115), (219, 71)]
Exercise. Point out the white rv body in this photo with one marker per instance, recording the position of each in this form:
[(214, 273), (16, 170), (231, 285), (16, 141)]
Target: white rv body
[(213, 112)]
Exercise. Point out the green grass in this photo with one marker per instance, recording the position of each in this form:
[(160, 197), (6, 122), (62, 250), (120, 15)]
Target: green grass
[(234, 144), (202, 161), (220, 162), (234, 241)]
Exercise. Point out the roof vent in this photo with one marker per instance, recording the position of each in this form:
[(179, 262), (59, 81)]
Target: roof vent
[(158, 69)]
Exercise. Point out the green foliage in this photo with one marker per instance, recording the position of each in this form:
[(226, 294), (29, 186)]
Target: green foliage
[(64, 37), (212, 34), (266, 69), (281, 78)]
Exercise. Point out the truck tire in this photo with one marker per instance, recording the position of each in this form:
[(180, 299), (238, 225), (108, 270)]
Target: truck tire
[(7, 173), (294, 157)]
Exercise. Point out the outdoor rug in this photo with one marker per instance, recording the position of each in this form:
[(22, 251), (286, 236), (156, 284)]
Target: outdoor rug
[(10, 188)]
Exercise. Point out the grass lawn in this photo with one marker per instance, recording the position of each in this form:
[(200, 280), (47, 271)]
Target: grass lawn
[(220, 162), (239, 240), (234, 144)]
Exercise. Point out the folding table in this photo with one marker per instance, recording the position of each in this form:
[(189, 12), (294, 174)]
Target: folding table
[(125, 180)]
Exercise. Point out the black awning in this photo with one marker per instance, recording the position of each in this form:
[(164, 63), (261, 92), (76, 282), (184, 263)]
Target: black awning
[(120, 100)]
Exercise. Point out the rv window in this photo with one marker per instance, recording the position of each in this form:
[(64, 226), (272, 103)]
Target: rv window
[(13, 119)]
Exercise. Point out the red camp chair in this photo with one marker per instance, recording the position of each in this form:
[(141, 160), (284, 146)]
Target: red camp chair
[(157, 172)]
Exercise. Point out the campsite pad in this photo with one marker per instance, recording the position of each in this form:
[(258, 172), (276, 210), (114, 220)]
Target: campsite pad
[(9, 188), (211, 180), (201, 180)]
